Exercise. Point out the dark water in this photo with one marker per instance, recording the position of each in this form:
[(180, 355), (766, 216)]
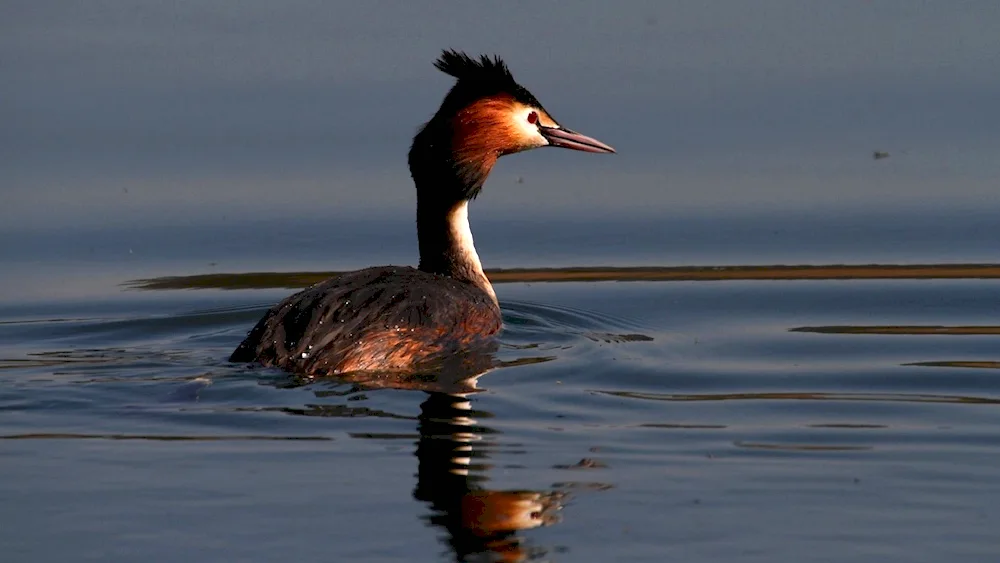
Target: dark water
[(819, 419), (842, 407)]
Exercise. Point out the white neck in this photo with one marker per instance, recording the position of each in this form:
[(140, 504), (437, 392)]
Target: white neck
[(465, 247), (446, 245)]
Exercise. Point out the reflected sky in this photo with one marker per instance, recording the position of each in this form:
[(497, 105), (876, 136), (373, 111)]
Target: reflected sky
[(192, 110)]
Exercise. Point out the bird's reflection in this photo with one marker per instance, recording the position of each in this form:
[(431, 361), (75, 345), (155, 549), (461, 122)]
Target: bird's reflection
[(452, 461), (451, 476)]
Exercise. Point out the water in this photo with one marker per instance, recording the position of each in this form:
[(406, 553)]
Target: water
[(763, 419), (797, 359)]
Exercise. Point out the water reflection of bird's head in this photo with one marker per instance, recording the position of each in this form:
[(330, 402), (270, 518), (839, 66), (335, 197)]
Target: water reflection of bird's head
[(452, 463)]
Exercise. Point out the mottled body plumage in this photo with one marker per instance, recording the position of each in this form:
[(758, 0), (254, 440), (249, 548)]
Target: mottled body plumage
[(378, 319)]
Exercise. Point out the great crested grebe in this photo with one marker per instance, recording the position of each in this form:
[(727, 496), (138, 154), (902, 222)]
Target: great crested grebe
[(401, 319)]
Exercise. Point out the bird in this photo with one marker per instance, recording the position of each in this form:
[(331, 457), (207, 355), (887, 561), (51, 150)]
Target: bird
[(400, 319)]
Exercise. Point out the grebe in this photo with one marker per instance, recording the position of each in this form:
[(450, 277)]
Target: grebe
[(401, 319)]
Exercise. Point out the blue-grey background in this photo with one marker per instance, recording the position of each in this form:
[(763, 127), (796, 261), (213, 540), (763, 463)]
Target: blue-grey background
[(115, 113)]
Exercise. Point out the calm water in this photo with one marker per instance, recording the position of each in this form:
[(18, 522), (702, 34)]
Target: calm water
[(705, 420), (840, 413)]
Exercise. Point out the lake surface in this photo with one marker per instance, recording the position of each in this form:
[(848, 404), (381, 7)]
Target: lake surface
[(704, 418), (741, 338)]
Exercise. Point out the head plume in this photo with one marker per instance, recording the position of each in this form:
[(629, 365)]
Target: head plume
[(464, 67), (479, 77)]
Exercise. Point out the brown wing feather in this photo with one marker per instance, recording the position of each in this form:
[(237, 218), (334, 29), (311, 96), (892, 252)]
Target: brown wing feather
[(377, 319)]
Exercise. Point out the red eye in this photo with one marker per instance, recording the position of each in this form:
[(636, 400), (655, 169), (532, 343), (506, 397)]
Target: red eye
[(533, 117)]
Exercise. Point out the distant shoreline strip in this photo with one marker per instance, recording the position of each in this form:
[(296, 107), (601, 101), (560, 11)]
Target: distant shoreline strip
[(264, 280)]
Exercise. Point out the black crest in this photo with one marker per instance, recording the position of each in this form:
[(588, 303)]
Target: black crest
[(482, 76), (464, 67)]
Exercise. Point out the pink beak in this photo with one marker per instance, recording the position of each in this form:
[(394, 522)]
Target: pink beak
[(559, 137)]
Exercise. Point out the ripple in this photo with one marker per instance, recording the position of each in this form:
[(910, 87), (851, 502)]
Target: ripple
[(157, 438), (800, 447), (878, 397), (901, 330)]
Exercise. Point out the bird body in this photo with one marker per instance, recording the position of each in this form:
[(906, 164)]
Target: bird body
[(385, 318)]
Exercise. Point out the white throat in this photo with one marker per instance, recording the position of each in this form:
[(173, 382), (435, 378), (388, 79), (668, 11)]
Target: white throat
[(461, 234)]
